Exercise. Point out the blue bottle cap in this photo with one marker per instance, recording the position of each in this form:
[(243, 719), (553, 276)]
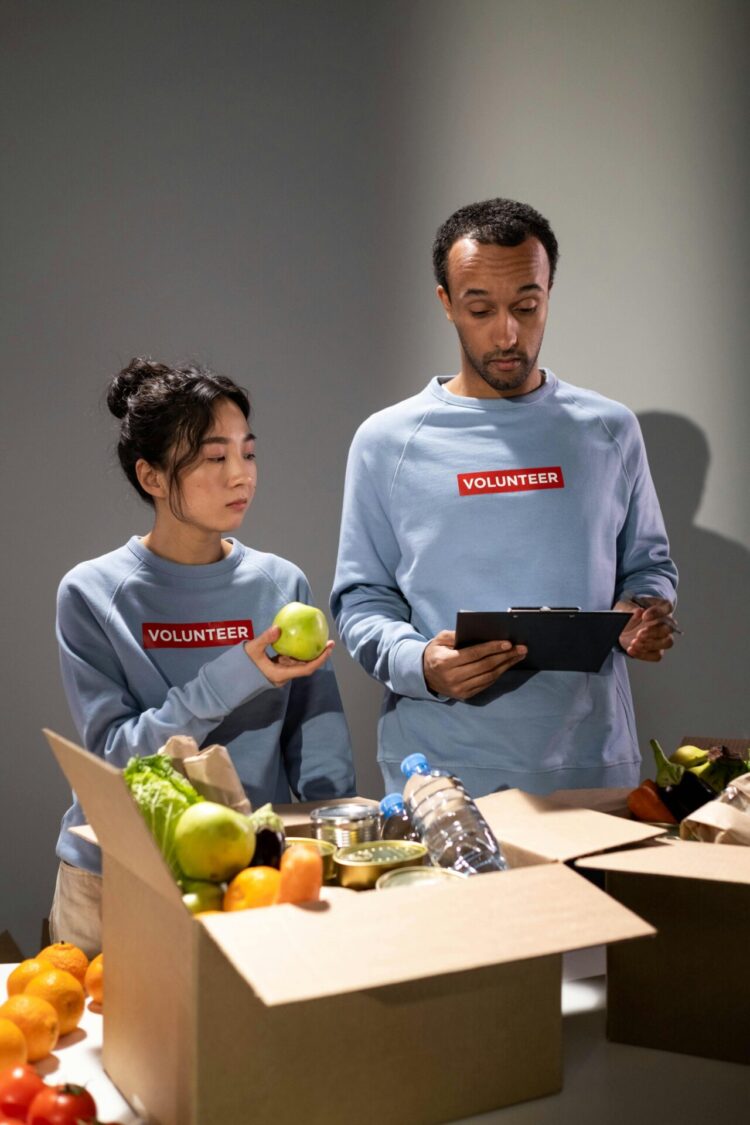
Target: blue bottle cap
[(414, 763), (392, 803)]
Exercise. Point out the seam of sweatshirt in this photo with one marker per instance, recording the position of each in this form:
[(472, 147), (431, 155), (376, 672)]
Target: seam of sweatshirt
[(125, 578), (410, 437), (590, 409)]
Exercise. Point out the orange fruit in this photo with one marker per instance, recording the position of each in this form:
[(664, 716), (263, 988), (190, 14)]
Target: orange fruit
[(255, 886), (64, 993), (65, 955), (13, 1049), (24, 972), (94, 980), (38, 1021)]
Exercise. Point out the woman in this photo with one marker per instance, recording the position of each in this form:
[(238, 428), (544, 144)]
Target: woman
[(159, 636)]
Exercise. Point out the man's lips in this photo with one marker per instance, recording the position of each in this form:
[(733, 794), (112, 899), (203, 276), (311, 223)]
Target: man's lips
[(504, 361)]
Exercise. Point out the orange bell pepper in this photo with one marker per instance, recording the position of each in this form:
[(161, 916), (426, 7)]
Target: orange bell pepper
[(644, 803)]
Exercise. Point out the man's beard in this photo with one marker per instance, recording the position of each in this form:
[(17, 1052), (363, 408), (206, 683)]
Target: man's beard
[(508, 381)]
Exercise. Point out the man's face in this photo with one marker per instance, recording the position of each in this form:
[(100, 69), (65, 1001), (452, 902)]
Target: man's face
[(498, 304)]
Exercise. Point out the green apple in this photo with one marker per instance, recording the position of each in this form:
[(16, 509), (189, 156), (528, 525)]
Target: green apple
[(200, 895), (213, 842), (304, 631)]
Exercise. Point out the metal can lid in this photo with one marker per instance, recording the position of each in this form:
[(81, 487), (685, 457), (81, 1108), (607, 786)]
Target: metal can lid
[(344, 813), (421, 876)]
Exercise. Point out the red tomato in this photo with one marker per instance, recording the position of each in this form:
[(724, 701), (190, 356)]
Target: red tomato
[(19, 1085), (61, 1105)]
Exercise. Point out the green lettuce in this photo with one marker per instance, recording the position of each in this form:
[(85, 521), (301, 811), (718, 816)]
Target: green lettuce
[(162, 794)]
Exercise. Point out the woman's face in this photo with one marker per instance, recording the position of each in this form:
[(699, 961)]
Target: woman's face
[(218, 488)]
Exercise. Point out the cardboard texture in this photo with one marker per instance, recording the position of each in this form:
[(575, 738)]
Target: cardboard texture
[(279, 1014), (685, 990), (539, 830)]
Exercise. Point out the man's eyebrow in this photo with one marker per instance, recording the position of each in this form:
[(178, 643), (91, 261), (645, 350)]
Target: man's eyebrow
[(225, 441), (532, 285)]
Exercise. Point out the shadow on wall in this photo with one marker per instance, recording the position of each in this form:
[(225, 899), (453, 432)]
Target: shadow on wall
[(700, 687)]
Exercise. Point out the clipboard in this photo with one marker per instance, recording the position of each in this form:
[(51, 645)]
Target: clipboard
[(563, 639)]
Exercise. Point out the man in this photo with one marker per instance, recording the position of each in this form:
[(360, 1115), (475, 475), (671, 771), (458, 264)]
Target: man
[(501, 486)]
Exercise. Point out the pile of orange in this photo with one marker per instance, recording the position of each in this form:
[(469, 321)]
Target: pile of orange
[(46, 999)]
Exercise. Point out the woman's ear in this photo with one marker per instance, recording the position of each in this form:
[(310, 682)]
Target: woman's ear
[(152, 479)]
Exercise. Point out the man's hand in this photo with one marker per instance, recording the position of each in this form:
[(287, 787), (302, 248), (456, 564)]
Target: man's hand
[(280, 669), (648, 634), (461, 673)]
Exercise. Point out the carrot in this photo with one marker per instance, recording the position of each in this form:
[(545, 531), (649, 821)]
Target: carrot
[(645, 804), (301, 875)]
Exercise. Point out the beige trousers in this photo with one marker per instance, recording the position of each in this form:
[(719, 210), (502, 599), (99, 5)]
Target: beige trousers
[(76, 913)]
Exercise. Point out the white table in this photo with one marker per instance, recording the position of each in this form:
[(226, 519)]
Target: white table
[(604, 1083)]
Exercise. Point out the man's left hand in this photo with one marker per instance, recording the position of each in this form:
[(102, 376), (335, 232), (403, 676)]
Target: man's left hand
[(647, 635)]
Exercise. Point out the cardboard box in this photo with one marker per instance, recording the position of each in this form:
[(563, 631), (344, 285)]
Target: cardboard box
[(421, 1007), (688, 989)]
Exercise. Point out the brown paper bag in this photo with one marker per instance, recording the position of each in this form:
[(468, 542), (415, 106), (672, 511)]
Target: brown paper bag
[(725, 820), (210, 771)]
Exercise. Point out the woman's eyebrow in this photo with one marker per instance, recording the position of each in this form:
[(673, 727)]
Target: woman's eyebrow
[(225, 441)]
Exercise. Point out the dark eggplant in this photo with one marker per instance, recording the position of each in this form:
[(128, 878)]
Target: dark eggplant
[(679, 789), (268, 848), (689, 794), (270, 839)]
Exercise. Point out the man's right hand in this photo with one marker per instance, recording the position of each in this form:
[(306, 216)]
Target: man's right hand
[(462, 673)]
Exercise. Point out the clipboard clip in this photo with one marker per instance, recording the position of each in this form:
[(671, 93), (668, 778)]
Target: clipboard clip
[(544, 609)]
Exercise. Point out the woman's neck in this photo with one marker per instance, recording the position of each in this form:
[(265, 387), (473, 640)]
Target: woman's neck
[(186, 545)]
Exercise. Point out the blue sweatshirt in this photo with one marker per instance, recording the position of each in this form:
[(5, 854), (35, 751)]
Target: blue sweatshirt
[(151, 648), (480, 504)]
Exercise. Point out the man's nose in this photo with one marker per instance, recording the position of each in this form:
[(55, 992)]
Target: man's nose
[(505, 331)]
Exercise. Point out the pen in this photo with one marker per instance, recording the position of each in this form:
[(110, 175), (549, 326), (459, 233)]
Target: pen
[(643, 603)]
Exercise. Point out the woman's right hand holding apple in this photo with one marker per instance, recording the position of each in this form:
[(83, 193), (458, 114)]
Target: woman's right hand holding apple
[(280, 669)]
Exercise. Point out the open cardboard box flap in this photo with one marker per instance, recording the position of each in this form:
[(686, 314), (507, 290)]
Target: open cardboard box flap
[(681, 859), (368, 940), (540, 828), (111, 811)]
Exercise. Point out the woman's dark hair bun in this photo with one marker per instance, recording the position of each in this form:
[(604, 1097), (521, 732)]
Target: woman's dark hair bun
[(130, 380)]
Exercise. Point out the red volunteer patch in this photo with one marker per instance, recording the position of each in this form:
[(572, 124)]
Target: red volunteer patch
[(510, 480), (195, 634)]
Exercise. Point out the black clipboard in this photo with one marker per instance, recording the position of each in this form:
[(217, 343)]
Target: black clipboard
[(559, 639)]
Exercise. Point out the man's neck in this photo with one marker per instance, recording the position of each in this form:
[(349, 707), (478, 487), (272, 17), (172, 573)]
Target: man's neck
[(471, 385)]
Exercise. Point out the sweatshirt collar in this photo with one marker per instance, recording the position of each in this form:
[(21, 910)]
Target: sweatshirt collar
[(437, 387), (183, 570)]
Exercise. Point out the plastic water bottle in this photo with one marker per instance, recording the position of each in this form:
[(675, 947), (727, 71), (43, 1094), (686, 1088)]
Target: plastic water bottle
[(449, 824), (396, 822)]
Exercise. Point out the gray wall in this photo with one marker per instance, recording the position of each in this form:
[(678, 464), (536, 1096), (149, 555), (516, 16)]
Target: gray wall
[(256, 185)]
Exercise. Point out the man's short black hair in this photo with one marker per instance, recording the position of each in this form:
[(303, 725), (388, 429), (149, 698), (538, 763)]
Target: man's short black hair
[(495, 222)]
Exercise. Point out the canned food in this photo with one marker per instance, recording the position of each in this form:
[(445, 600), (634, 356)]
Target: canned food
[(346, 824), (416, 877), (325, 848), (361, 865)]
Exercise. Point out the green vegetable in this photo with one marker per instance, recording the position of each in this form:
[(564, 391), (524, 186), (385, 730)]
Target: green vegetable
[(265, 817), (667, 773), (721, 768), (162, 794)]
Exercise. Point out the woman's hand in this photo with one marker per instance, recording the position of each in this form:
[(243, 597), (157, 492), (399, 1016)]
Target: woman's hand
[(280, 669)]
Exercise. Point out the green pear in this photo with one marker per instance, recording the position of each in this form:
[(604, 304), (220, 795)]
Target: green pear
[(689, 756)]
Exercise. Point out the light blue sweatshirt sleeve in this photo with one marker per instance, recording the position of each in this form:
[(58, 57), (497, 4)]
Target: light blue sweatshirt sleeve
[(108, 717), (315, 742), (371, 614), (644, 565)]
